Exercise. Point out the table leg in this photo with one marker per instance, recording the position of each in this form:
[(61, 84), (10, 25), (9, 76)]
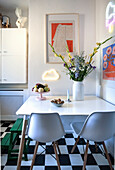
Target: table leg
[(22, 142)]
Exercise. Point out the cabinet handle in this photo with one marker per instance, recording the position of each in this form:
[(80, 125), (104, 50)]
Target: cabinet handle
[(0, 52), (5, 79), (0, 79), (5, 51)]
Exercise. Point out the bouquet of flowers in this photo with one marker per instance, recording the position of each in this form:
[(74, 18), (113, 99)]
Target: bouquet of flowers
[(79, 66)]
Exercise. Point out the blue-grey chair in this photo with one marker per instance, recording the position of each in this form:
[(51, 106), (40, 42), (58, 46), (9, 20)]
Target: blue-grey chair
[(98, 127), (45, 127)]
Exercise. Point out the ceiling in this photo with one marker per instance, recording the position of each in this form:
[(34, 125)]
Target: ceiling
[(9, 5)]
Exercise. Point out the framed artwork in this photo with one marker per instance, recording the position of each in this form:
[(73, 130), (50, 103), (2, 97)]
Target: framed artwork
[(61, 30), (109, 62)]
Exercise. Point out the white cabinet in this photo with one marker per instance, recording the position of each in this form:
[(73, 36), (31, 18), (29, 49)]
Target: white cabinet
[(0, 56), (14, 55)]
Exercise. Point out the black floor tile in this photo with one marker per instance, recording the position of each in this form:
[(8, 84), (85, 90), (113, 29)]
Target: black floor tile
[(51, 168), (40, 160), (93, 149), (64, 159), (49, 150), (104, 167), (90, 159), (69, 135), (77, 167), (61, 141), (6, 124)]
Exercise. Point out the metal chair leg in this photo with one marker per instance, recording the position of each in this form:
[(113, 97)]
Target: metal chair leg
[(54, 145), (34, 156), (85, 155), (75, 144), (107, 155)]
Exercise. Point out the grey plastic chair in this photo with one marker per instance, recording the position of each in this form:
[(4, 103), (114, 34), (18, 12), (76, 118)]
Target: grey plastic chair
[(45, 127), (98, 127)]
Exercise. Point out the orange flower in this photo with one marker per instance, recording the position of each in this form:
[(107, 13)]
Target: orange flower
[(98, 43), (90, 55), (95, 48), (62, 57)]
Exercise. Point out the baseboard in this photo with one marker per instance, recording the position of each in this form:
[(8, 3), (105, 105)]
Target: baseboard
[(10, 117)]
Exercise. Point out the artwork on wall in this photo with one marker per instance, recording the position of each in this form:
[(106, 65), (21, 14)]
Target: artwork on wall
[(61, 30), (109, 62)]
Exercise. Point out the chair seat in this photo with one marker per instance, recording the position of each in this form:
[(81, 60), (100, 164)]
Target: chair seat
[(77, 126)]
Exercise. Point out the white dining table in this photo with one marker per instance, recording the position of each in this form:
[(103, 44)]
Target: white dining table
[(89, 105)]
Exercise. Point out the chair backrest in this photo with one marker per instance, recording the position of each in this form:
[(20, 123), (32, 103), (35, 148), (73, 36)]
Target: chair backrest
[(45, 127), (99, 126)]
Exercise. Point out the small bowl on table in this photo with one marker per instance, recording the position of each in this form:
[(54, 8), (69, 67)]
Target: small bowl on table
[(57, 102)]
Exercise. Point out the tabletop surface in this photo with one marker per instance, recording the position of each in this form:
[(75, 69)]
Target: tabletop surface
[(86, 107)]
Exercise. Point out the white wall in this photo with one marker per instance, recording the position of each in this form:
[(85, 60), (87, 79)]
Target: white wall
[(36, 61), (105, 88)]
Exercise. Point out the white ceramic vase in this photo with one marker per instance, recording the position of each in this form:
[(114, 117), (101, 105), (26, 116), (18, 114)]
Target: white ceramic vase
[(78, 90)]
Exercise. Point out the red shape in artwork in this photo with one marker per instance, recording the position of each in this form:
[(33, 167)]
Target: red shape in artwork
[(109, 73), (70, 45)]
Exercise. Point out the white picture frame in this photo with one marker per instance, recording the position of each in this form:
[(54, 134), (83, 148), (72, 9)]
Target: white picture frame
[(62, 30)]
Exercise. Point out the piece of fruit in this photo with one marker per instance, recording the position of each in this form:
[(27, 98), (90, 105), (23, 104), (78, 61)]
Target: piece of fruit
[(40, 90), (46, 89), (35, 89), (46, 85), (40, 86)]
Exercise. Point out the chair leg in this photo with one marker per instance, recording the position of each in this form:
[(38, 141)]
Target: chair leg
[(107, 155), (58, 147), (54, 145), (34, 156), (75, 144), (85, 155), (96, 147)]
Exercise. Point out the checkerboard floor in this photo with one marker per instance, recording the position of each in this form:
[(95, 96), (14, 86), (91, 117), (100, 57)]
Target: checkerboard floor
[(68, 161)]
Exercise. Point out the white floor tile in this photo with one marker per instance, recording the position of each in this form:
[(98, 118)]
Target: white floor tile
[(11, 125), (91, 143), (3, 159), (26, 163), (30, 156), (75, 135), (92, 167), (70, 141), (1, 124), (40, 149), (2, 129), (10, 167), (100, 159), (38, 167), (76, 159), (66, 168), (82, 149), (49, 143), (4, 134), (32, 143), (63, 149), (49, 160)]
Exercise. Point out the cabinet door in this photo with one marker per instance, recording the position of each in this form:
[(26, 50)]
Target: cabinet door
[(14, 41), (0, 55), (13, 69), (0, 41), (0, 68)]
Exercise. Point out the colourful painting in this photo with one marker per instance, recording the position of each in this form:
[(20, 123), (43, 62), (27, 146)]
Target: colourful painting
[(62, 30), (109, 62)]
